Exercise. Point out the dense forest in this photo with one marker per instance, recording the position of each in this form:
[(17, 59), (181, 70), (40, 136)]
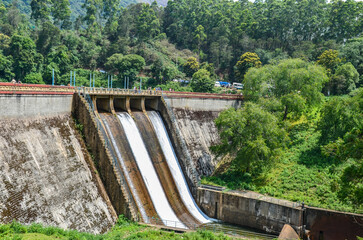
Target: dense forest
[(299, 135)]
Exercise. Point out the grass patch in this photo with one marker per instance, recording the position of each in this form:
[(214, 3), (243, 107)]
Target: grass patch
[(124, 229)]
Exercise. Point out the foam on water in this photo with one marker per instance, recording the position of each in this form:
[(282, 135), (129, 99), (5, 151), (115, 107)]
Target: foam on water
[(148, 172), (175, 168)]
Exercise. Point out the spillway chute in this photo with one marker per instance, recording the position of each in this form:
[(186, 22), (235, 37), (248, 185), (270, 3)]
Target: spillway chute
[(124, 169), (148, 173), (175, 168)]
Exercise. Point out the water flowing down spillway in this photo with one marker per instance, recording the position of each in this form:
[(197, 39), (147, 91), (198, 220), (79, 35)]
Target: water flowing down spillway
[(175, 168), (116, 148), (149, 175)]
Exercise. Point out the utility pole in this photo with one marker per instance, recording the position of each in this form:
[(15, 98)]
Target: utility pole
[(53, 77), (74, 78), (93, 80)]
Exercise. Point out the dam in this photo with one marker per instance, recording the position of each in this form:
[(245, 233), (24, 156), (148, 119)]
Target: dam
[(79, 157)]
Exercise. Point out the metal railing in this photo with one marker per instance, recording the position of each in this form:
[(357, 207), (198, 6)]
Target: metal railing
[(213, 227), (171, 223), (117, 91), (211, 187), (235, 231), (16, 87)]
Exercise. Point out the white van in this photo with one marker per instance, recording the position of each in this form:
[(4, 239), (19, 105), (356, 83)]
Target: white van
[(237, 85), (217, 84)]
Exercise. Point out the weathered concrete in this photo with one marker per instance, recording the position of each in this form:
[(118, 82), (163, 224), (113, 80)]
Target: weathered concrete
[(194, 117), (45, 175), (248, 210), (24, 106), (200, 133), (203, 104), (270, 215), (179, 145), (329, 224)]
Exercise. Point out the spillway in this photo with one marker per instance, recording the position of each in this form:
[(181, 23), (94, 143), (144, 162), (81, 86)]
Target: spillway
[(148, 162), (149, 175), (134, 180), (174, 167)]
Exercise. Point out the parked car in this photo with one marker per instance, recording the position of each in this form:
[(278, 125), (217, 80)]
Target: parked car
[(225, 84), (237, 85), (217, 84)]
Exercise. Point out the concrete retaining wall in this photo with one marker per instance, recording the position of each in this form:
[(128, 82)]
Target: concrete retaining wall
[(270, 214), (23, 106)]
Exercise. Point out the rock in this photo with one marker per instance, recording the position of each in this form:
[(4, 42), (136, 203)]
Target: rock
[(288, 233)]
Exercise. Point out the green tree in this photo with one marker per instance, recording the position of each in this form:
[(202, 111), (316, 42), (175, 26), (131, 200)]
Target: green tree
[(48, 37), (24, 55), (34, 78), (191, 66), (339, 116), (201, 81), (352, 184), (93, 13), (128, 65), (289, 76), (246, 61), (251, 135), (330, 60), (148, 25), (345, 79), (6, 67), (40, 10), (61, 13), (61, 57), (294, 104), (199, 37), (352, 51), (341, 127)]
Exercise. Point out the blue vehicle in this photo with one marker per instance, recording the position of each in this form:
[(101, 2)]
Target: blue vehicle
[(224, 84)]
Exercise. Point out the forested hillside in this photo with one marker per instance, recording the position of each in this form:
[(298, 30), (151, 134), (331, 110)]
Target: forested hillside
[(291, 56), (75, 5)]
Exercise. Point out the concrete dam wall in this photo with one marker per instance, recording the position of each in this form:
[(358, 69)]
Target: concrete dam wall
[(195, 121), (47, 175)]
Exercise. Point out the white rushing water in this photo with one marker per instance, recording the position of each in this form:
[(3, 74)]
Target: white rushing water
[(148, 172), (175, 168), (125, 171)]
